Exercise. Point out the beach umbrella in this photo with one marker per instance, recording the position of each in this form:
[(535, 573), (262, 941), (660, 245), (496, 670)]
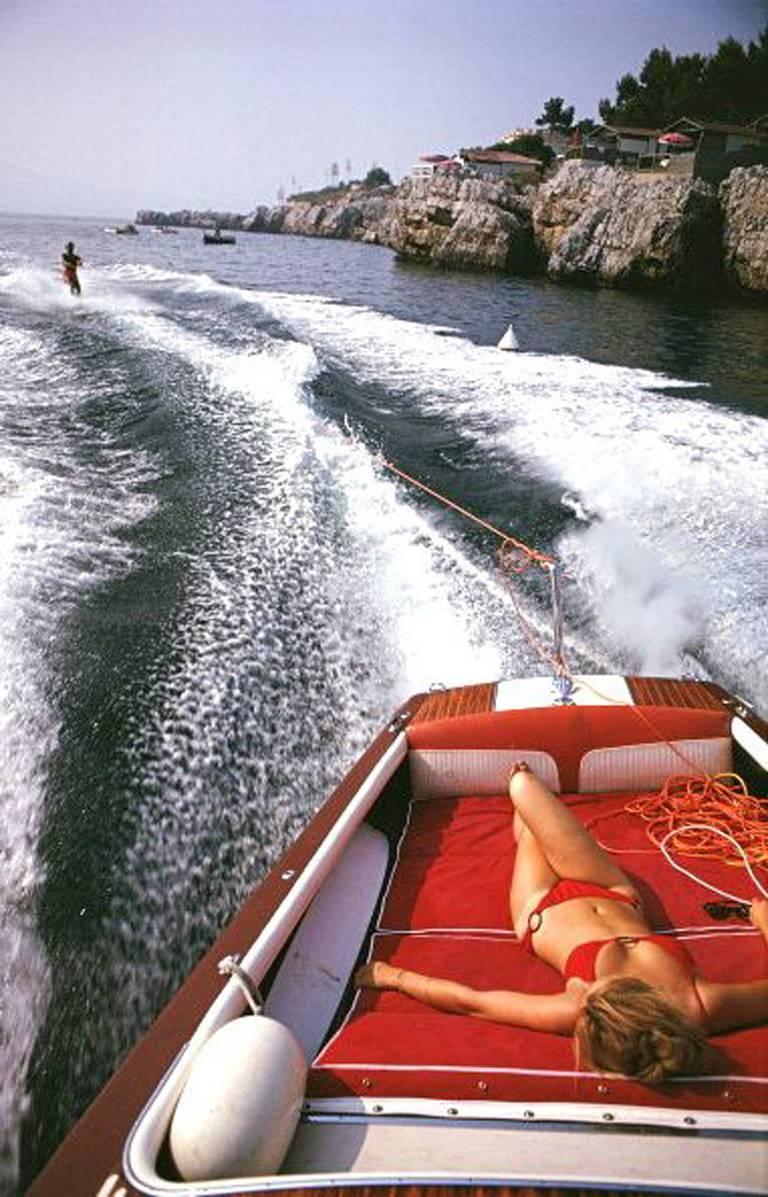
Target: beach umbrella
[(675, 139)]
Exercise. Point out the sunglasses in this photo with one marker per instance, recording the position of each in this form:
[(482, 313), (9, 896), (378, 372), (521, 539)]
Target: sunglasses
[(727, 910)]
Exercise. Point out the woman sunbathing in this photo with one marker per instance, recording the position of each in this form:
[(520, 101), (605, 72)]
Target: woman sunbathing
[(634, 1001)]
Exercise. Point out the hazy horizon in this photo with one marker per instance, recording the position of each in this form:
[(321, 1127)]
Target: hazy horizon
[(204, 104)]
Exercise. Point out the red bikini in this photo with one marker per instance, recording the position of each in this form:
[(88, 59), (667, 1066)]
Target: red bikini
[(582, 960), (562, 891)]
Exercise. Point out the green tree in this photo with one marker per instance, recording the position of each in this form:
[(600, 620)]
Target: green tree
[(730, 85), (726, 79), (378, 177), (757, 71), (556, 116)]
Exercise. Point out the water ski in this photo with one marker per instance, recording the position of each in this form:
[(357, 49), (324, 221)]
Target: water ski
[(509, 340)]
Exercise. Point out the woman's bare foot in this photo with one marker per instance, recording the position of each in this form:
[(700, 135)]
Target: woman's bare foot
[(518, 767), (377, 974)]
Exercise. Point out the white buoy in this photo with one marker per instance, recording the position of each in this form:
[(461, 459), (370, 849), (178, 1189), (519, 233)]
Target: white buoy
[(509, 340)]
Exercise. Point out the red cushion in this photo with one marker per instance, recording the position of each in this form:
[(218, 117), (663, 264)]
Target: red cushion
[(452, 875), (567, 733), (393, 1046)]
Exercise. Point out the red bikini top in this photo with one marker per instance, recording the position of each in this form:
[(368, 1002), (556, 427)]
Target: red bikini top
[(582, 960)]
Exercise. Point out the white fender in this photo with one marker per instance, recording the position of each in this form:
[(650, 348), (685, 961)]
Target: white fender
[(240, 1103)]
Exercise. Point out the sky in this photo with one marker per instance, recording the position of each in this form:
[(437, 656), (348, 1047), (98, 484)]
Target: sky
[(108, 106)]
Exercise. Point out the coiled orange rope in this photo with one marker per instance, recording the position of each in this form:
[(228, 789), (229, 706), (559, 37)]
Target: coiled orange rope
[(721, 802), (714, 818)]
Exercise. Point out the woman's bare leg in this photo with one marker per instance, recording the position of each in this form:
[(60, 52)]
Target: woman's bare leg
[(565, 844), (532, 878)]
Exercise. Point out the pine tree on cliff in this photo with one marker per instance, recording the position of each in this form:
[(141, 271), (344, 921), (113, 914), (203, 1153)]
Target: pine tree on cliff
[(556, 117), (730, 85)]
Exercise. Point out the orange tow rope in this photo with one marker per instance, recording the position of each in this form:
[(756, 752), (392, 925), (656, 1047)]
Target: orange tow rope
[(509, 545)]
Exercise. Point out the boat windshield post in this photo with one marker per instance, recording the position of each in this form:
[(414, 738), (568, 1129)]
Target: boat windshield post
[(561, 681)]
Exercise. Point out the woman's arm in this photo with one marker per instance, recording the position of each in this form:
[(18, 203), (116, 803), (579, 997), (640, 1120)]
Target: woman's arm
[(555, 1012), (729, 1004)]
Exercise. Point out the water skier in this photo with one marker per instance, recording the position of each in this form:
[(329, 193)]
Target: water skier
[(70, 262)]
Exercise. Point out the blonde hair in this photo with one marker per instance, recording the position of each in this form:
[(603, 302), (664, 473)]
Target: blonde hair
[(628, 1027)]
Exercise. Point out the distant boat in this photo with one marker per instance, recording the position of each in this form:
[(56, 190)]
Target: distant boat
[(124, 230), (509, 340), (218, 238)]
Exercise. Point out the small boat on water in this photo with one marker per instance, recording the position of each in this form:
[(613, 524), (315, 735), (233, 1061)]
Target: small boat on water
[(270, 1071), (123, 230), (218, 238)]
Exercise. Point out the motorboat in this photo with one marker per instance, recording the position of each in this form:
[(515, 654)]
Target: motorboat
[(270, 1071), (218, 238), (123, 230)]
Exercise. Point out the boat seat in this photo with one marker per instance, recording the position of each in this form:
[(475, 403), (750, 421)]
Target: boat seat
[(573, 749)]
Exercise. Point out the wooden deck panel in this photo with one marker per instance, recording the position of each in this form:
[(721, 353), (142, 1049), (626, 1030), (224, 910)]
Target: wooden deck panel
[(461, 700), (672, 692)]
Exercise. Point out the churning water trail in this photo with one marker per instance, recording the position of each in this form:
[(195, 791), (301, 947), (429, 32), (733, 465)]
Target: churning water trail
[(297, 597), (677, 544), (66, 494)]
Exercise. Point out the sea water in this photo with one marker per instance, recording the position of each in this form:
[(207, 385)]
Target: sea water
[(213, 590)]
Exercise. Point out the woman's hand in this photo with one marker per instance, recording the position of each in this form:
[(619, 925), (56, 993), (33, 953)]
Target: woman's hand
[(758, 914), (377, 975)]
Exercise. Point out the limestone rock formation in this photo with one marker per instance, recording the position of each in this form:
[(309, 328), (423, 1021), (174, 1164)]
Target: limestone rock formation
[(355, 215), (190, 218), (462, 223), (593, 226), (744, 200), (616, 227)]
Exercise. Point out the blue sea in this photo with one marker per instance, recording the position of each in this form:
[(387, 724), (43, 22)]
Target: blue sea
[(213, 590)]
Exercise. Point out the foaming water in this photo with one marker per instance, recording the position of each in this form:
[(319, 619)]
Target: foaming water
[(59, 538), (663, 475)]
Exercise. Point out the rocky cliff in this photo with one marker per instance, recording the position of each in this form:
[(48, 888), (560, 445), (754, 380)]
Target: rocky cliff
[(190, 218), (592, 226), (357, 215), (464, 224), (744, 201), (624, 229)]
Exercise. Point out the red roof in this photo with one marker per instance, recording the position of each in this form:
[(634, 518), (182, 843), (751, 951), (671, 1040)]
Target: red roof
[(499, 156)]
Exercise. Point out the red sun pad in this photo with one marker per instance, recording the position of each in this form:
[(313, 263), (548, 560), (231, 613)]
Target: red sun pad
[(452, 876)]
